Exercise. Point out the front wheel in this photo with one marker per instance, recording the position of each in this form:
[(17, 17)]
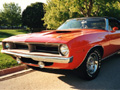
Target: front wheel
[(90, 68)]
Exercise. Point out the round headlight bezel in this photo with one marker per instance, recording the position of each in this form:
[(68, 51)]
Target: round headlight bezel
[(7, 46), (64, 50)]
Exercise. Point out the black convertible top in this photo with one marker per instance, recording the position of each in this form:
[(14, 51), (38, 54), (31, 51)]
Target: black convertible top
[(94, 18)]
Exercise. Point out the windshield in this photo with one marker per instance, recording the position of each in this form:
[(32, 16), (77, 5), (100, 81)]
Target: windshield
[(92, 23)]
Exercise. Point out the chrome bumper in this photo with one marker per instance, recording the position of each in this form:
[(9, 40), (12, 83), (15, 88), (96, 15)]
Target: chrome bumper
[(41, 58)]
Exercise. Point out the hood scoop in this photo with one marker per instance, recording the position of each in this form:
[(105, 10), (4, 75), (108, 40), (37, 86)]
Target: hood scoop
[(63, 31), (68, 31)]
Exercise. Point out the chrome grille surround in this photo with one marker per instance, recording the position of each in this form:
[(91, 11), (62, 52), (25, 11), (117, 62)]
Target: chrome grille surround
[(34, 47)]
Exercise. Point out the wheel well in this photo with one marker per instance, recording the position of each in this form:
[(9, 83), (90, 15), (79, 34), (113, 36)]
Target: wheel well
[(100, 48)]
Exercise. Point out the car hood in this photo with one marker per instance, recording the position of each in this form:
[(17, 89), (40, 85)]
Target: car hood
[(51, 36)]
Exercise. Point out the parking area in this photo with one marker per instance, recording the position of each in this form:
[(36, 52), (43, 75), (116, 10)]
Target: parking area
[(49, 79)]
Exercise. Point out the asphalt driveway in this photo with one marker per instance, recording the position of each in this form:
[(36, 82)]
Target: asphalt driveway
[(48, 79)]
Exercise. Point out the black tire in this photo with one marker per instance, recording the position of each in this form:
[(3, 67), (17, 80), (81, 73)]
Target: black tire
[(90, 68)]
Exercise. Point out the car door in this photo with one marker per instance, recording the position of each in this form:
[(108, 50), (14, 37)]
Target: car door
[(114, 36)]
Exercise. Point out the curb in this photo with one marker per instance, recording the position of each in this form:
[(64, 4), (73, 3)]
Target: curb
[(12, 70), (15, 74)]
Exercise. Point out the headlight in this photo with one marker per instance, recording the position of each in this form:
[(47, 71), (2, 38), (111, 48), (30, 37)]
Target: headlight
[(64, 50), (7, 45)]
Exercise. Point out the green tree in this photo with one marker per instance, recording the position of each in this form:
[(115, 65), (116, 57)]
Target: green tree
[(32, 16), (11, 14), (1, 19), (111, 9), (58, 11)]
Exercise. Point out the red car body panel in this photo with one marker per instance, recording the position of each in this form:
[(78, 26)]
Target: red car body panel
[(79, 42)]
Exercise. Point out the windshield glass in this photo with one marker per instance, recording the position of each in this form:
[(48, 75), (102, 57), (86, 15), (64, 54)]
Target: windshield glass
[(92, 23)]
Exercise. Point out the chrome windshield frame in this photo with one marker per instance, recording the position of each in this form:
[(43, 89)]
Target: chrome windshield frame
[(107, 24)]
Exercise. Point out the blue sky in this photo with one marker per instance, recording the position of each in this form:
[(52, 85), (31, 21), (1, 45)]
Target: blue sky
[(22, 3)]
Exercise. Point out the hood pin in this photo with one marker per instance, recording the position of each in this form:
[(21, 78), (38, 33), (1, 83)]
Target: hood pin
[(58, 36)]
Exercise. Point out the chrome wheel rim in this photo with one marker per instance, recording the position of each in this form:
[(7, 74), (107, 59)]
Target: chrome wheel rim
[(92, 63)]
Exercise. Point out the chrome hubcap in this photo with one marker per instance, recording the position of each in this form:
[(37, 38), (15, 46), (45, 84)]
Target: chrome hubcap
[(92, 63)]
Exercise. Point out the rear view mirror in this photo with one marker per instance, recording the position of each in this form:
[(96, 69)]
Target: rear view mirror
[(115, 28)]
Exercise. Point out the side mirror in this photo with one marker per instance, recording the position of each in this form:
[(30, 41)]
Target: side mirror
[(115, 28)]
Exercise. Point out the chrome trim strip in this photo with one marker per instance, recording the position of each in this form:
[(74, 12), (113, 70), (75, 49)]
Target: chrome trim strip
[(107, 24), (109, 55), (41, 58), (46, 43)]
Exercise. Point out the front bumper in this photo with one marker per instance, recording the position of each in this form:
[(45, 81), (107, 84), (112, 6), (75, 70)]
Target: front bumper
[(41, 58)]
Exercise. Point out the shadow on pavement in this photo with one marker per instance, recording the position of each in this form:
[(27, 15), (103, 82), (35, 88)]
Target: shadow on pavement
[(108, 78)]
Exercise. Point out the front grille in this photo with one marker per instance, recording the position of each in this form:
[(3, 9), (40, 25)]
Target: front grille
[(41, 47), (46, 48), (20, 46)]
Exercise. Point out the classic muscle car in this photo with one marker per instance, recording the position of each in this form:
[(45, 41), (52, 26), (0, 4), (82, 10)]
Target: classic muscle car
[(79, 43)]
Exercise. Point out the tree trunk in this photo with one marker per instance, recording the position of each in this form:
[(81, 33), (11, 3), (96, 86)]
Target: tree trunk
[(90, 8)]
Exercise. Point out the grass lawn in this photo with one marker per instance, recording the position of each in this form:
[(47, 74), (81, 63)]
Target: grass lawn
[(4, 33), (6, 61)]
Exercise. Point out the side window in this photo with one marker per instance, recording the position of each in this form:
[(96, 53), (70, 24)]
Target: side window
[(114, 23)]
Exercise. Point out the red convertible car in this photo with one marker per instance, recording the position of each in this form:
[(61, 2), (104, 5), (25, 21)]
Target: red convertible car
[(79, 43)]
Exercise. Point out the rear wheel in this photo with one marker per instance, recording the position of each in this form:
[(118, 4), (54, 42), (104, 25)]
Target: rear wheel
[(91, 65)]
